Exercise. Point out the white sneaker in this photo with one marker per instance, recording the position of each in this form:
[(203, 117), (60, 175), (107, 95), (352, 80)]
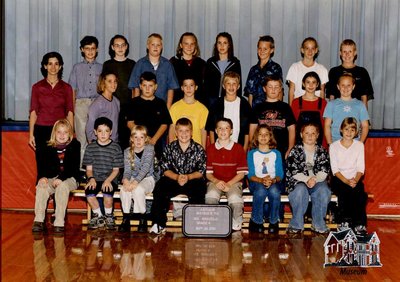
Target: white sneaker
[(156, 229)]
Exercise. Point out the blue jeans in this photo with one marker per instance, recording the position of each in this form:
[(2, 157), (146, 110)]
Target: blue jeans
[(260, 193), (320, 197)]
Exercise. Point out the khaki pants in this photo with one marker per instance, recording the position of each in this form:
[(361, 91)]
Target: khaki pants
[(43, 192), (80, 119), (138, 195)]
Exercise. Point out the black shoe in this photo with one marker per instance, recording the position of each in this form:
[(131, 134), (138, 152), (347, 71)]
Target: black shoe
[(58, 229), (38, 227), (255, 227), (273, 228), (142, 228), (125, 225)]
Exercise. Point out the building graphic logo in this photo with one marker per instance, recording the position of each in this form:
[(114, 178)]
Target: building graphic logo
[(344, 249)]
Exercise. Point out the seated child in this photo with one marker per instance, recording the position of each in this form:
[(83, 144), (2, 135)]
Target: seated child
[(306, 173), (58, 172), (226, 168), (183, 164), (138, 179), (103, 159), (265, 173), (348, 165)]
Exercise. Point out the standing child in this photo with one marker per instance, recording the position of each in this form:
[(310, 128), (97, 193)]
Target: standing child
[(183, 164), (83, 79), (348, 165), (58, 173), (138, 179), (192, 109), (103, 159), (187, 61), (309, 51), (345, 106), (265, 173), (348, 55), (306, 174), (226, 168), (237, 109), (158, 65), (122, 66), (106, 105), (265, 67), (150, 111), (309, 107), (223, 60)]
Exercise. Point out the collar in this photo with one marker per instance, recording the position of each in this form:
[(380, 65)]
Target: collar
[(229, 146)]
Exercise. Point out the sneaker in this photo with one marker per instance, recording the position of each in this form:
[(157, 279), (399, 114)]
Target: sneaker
[(96, 222), (157, 229), (292, 230), (109, 221), (360, 230), (313, 229), (38, 227), (343, 226), (273, 228)]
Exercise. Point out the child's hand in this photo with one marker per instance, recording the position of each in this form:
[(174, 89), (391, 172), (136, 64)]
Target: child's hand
[(182, 179), (57, 182), (106, 187), (221, 185), (43, 181), (152, 141), (267, 181), (352, 183), (311, 182), (91, 185)]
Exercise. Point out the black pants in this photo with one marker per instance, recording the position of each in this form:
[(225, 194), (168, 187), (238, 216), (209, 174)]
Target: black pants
[(167, 188), (352, 202)]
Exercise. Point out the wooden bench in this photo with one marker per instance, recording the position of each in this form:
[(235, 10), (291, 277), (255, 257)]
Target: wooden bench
[(247, 198)]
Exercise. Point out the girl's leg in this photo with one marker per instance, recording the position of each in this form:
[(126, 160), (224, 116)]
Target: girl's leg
[(259, 195), (298, 199), (139, 194), (274, 197), (43, 193), (62, 197)]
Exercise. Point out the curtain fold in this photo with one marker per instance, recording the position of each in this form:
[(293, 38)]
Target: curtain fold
[(35, 27)]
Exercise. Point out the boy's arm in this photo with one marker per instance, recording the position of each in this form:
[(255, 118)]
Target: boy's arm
[(322, 91), (364, 99), (252, 129), (130, 124), (237, 178), (204, 138), (212, 136), (170, 98), (158, 134), (250, 99), (113, 175), (135, 92), (291, 92), (364, 130), (327, 130), (91, 183), (194, 175), (292, 139), (171, 133)]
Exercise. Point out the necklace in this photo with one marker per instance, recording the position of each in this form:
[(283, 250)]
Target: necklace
[(52, 83)]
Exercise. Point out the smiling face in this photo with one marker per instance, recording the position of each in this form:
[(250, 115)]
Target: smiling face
[(263, 137), (310, 84), (188, 46), (154, 46), (349, 132), (309, 135), (189, 87), (348, 54), (110, 83), (183, 134), (231, 86), (119, 46), (89, 52), (53, 66), (346, 87), (223, 130), (103, 133), (62, 135), (309, 49), (264, 50)]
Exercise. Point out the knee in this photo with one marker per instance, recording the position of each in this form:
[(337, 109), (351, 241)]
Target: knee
[(211, 200), (274, 192)]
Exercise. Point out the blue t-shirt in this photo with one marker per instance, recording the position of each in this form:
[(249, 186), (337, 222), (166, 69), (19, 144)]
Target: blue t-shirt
[(338, 110)]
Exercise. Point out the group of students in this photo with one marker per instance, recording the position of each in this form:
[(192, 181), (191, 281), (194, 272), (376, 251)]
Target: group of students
[(140, 101)]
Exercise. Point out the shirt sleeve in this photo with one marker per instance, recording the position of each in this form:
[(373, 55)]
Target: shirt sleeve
[(73, 79), (278, 165), (146, 162), (250, 164), (127, 165), (34, 100)]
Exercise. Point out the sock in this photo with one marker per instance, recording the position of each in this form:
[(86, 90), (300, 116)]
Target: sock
[(98, 212), (108, 210)]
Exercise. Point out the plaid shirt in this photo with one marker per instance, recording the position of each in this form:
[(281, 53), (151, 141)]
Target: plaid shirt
[(192, 160)]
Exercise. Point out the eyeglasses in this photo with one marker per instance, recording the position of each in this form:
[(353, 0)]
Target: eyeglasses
[(90, 48), (123, 45)]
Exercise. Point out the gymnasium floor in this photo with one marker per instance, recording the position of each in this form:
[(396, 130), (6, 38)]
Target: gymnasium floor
[(82, 255)]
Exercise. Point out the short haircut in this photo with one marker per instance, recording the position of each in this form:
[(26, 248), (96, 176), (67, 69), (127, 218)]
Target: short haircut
[(179, 52), (267, 38), (103, 121), (272, 141), (349, 121), (231, 74), (155, 35), (224, 119), (88, 40), (271, 78), (102, 78), (188, 76), (314, 75), (111, 52), (310, 123), (304, 42), (349, 42), (45, 61), (61, 122), (347, 75), (148, 76), (184, 122), (230, 45)]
